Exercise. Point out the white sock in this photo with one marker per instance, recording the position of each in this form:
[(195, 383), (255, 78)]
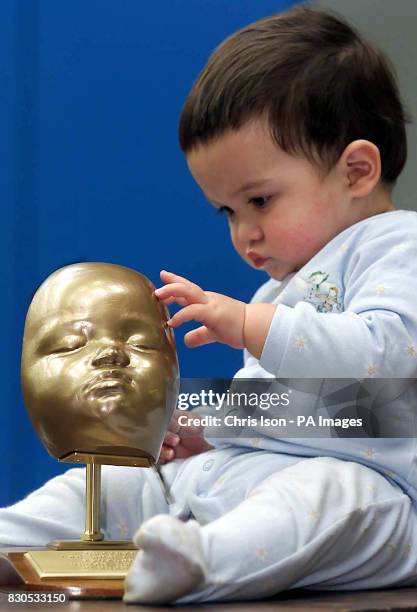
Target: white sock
[(169, 564)]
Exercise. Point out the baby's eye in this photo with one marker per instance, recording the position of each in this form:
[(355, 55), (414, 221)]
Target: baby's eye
[(69, 343), (225, 210), (260, 201)]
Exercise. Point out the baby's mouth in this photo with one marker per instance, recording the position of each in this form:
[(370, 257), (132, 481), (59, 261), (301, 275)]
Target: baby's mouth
[(257, 260)]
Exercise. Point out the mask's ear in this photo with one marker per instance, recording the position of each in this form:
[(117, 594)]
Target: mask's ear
[(360, 163)]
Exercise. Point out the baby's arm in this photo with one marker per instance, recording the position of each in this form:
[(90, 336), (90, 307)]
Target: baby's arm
[(224, 319)]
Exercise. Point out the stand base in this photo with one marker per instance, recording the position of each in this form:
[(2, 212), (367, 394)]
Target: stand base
[(17, 572), (86, 545), (89, 564)]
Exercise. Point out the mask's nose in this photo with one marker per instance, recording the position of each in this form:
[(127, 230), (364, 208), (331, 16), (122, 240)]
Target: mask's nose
[(111, 355)]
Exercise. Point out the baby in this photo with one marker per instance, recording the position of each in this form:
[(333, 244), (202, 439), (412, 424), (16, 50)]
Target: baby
[(295, 131)]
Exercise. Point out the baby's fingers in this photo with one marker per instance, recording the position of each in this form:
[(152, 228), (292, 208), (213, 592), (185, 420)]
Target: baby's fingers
[(189, 292), (172, 300), (166, 454), (199, 337), (170, 277), (194, 312), (171, 439)]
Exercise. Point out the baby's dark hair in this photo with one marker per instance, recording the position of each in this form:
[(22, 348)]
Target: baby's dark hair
[(319, 84)]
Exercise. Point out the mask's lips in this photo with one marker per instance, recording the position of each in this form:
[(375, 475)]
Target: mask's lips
[(108, 379)]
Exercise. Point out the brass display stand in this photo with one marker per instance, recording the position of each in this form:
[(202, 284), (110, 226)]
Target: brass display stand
[(91, 567)]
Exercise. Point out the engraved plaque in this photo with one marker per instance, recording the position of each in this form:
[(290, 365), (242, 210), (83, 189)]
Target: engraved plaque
[(110, 564)]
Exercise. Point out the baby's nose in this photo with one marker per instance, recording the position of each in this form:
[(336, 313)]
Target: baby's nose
[(111, 355), (249, 232)]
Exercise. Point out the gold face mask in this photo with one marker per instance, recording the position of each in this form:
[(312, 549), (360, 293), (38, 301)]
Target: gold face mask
[(99, 366)]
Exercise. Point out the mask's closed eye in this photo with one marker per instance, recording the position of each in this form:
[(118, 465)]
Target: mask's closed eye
[(142, 343), (68, 343)]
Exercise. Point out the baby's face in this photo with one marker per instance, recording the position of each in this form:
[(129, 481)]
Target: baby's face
[(98, 360), (280, 210)]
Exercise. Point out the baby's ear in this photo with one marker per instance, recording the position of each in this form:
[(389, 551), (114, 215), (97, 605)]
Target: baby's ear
[(360, 163)]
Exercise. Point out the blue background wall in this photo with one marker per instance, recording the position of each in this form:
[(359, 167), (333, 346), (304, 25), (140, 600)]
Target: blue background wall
[(90, 170)]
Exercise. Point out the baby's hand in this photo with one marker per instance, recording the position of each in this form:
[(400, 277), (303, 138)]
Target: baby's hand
[(222, 317), (183, 441)]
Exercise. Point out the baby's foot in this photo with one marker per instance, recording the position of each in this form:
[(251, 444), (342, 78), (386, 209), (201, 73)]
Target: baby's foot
[(169, 564)]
